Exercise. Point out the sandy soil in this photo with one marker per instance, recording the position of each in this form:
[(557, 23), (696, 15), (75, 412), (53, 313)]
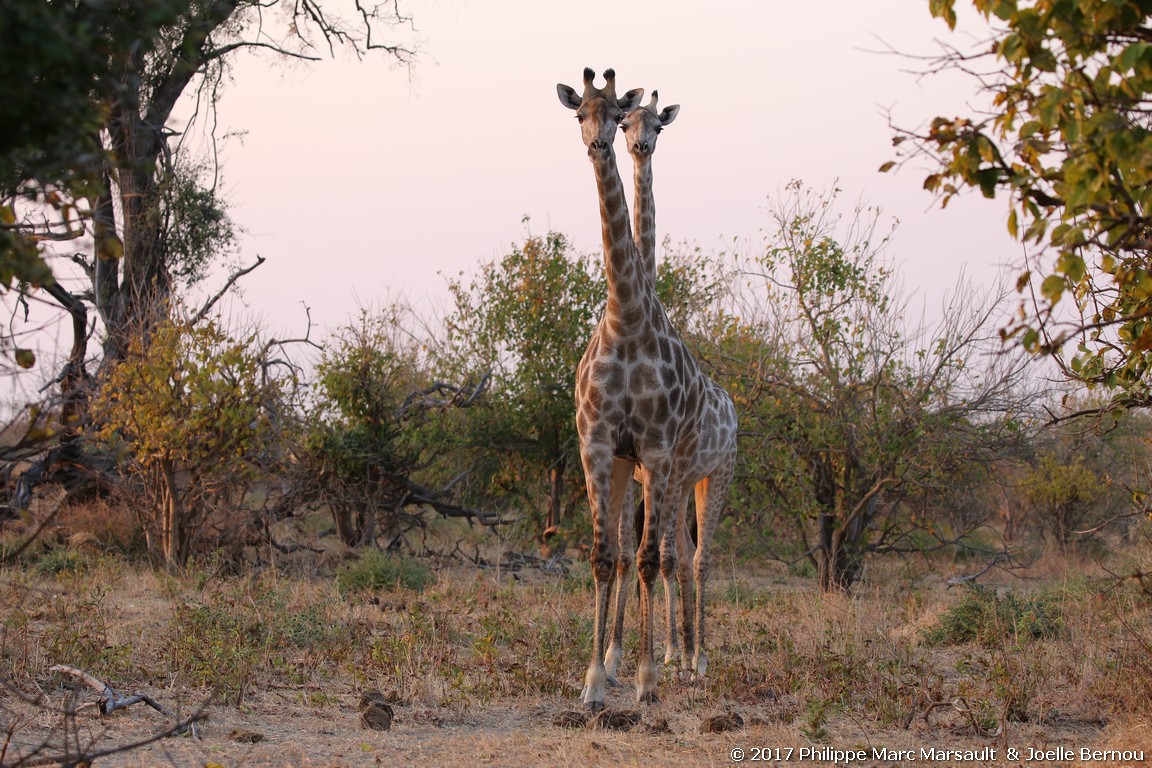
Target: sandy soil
[(517, 733)]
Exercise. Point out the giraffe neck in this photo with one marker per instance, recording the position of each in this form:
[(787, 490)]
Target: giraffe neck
[(645, 215), (628, 286)]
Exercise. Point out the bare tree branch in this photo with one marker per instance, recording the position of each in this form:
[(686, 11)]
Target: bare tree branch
[(224, 289)]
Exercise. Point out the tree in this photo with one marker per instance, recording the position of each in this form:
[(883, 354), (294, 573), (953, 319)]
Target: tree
[(849, 417), (57, 76), (184, 415), (1067, 139), (1083, 477), (526, 319), (376, 426), (88, 156)]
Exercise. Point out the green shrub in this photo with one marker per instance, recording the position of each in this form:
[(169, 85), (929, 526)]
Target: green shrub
[(55, 562), (377, 571), (983, 616)]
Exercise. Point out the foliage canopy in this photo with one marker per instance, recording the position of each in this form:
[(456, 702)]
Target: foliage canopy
[(1068, 140)]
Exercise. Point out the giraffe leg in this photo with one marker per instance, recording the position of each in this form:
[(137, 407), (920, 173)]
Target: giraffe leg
[(687, 552), (601, 481), (672, 652), (711, 494), (614, 652), (655, 549), (672, 641), (627, 539)]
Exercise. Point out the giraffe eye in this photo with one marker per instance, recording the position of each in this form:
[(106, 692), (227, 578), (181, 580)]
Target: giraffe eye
[(580, 118), (659, 128)]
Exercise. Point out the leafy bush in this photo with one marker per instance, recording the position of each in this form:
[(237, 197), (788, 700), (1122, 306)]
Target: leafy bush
[(184, 415), (985, 617), (378, 571)]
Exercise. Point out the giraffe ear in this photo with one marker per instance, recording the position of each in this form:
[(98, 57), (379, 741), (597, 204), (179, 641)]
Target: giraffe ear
[(630, 100), (668, 114), (568, 96)]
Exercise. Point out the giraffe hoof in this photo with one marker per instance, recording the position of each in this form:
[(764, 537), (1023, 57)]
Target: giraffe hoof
[(594, 706), (612, 682), (649, 697)]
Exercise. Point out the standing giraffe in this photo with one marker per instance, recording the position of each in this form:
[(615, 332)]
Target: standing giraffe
[(641, 400), (641, 126)]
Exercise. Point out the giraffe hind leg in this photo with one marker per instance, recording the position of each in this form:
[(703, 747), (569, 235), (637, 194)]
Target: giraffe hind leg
[(679, 583), (711, 495), (684, 574)]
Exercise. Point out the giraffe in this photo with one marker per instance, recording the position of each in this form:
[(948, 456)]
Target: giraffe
[(641, 400), (641, 126)]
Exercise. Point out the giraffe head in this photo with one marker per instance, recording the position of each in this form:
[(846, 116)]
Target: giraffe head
[(598, 109), (643, 124)]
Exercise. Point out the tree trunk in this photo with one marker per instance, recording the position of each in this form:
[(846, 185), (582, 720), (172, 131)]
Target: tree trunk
[(74, 377), (838, 566), (131, 275), (171, 522)]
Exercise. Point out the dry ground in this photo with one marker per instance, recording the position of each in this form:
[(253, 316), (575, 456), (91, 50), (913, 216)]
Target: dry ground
[(481, 662)]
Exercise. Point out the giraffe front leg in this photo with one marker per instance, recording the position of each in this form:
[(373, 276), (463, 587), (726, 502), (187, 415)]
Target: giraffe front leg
[(652, 558), (603, 559), (627, 539), (647, 673), (615, 650), (700, 658), (603, 565)]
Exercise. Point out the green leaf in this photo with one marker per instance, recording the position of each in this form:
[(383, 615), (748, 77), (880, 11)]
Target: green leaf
[(1131, 55), (25, 358), (943, 9), (1030, 128), (1052, 288), (987, 179), (1030, 340), (1071, 264)]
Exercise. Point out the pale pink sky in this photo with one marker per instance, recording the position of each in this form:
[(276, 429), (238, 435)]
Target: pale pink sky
[(358, 181)]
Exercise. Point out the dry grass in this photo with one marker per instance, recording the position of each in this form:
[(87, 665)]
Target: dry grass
[(481, 662)]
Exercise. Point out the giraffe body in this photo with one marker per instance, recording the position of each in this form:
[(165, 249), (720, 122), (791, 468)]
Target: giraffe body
[(641, 401)]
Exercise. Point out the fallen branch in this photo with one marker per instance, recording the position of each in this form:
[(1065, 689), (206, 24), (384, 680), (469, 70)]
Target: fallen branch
[(110, 700)]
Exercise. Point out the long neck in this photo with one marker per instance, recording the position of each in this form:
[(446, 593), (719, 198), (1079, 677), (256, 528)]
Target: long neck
[(645, 216), (627, 286)]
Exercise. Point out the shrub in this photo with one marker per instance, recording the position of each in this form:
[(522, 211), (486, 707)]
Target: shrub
[(983, 616), (183, 413), (378, 571)]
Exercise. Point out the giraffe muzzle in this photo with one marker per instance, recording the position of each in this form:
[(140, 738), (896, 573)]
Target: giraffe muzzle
[(641, 147)]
